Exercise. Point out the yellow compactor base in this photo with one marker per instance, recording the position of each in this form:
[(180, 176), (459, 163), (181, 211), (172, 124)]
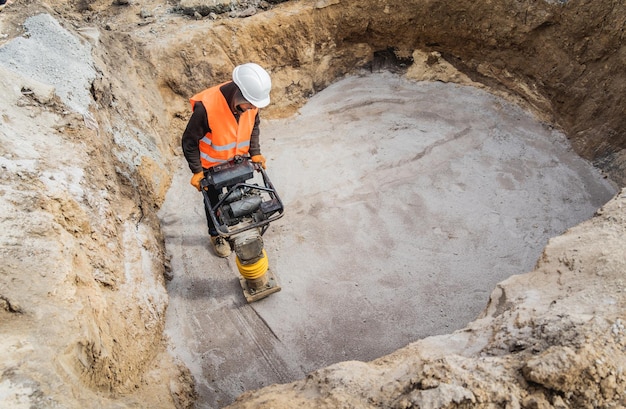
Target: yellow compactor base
[(253, 295)]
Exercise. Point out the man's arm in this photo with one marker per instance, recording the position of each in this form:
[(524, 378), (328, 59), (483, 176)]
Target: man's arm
[(255, 144), (197, 127)]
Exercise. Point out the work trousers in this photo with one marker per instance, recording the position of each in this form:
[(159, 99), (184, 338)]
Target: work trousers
[(213, 199)]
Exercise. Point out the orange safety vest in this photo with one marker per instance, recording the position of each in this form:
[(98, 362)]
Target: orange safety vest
[(227, 138)]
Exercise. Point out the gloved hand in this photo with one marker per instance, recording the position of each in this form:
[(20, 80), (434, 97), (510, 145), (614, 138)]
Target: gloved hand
[(196, 178), (259, 159)]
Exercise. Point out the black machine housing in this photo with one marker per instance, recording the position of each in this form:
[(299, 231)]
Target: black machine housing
[(243, 204)]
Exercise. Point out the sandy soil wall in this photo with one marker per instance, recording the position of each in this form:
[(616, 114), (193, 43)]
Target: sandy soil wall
[(563, 59), (82, 271)]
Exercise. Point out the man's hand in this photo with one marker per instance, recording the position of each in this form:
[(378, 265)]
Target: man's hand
[(259, 159), (196, 178)]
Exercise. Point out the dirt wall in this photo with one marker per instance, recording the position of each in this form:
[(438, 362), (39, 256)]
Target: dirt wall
[(82, 271), (564, 59)]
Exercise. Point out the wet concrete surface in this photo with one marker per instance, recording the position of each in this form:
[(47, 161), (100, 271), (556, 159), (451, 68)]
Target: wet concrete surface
[(405, 204)]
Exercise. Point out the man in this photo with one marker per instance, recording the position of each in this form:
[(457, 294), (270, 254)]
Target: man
[(225, 124)]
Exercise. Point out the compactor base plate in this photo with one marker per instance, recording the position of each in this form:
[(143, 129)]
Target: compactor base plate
[(253, 295)]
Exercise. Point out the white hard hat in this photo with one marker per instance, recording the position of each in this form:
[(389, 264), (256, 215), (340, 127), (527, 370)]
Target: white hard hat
[(254, 82)]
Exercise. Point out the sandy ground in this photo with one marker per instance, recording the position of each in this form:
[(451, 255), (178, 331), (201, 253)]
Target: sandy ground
[(406, 202)]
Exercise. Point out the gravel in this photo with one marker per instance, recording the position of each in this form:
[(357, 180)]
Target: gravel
[(50, 54)]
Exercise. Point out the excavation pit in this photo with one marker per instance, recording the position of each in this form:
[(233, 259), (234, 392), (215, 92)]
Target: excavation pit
[(406, 203), (83, 287)]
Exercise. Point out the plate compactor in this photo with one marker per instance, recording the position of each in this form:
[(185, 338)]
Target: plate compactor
[(241, 216)]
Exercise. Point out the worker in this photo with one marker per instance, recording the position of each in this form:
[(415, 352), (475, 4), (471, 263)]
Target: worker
[(224, 124)]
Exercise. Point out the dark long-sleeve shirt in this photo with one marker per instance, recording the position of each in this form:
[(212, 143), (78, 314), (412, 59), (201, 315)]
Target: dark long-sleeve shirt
[(199, 125)]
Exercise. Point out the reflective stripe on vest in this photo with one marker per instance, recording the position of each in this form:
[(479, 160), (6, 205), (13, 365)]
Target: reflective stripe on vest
[(227, 138)]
